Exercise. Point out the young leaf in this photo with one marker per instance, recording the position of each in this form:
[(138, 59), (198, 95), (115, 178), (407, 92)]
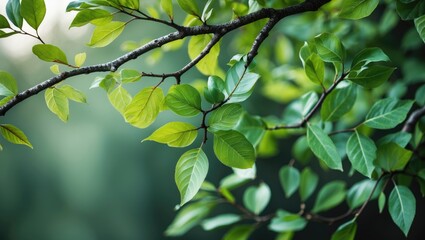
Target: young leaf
[(346, 231), (225, 117), (13, 11), (356, 9), (359, 193), (392, 157), (58, 103), (338, 102), (308, 183), (402, 207), (367, 56), (220, 221), (33, 11), (144, 107), (329, 48), (103, 35), (167, 7), (94, 16), (323, 147), (240, 82), (371, 76), (131, 4), (361, 152), (420, 26), (184, 100), (315, 69), (189, 7), (331, 195), (72, 93), (387, 113), (120, 99), (55, 69), (289, 180), (233, 149), (79, 59), (239, 232), (256, 199), (174, 134), (49, 53), (209, 64), (14, 135), (191, 170), (8, 85), (129, 75), (381, 202), (285, 222)]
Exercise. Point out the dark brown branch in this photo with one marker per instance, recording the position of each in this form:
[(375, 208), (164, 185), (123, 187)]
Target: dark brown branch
[(414, 117)]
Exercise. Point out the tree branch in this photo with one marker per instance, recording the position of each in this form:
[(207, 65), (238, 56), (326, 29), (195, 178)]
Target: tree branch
[(409, 125)]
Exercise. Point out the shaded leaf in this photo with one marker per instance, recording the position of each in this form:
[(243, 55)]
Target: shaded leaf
[(256, 199), (402, 207), (361, 152), (13, 11), (387, 113), (338, 102), (308, 183), (239, 82), (411, 9), (367, 56), (420, 26), (392, 157), (220, 221), (253, 128), (331, 195), (359, 193), (329, 48), (346, 231), (356, 9), (323, 147), (3, 22), (371, 76), (285, 221), (240, 232), (289, 180), (315, 69)]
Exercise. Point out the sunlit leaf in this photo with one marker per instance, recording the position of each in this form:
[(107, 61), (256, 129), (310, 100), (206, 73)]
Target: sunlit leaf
[(91, 16), (79, 59), (130, 75), (209, 64), (329, 48), (144, 107), (184, 100), (167, 7), (58, 103), (371, 76), (103, 35), (315, 69), (175, 134), (14, 135), (285, 221), (55, 69), (49, 53), (233, 149), (367, 56), (338, 102), (190, 7), (225, 117), (119, 98), (33, 11), (8, 85), (3, 22), (402, 207), (72, 93), (239, 82), (359, 193)]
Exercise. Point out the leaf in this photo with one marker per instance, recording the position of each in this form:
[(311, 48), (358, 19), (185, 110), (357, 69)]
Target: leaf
[(420, 26), (253, 128), (289, 180), (285, 222), (131, 4), (225, 117), (3, 22), (79, 59), (191, 170), (49, 53), (329, 48), (331, 195), (323, 147), (387, 113), (13, 11), (174, 134), (361, 152), (220, 221), (239, 82), (308, 183), (5, 35), (381, 202), (233, 181), (188, 217), (367, 56), (315, 69), (420, 100), (233, 149), (338, 102), (94, 16), (72, 93), (120, 99), (410, 10), (392, 157), (356, 9), (400, 138), (256, 199), (402, 207), (184, 100), (129, 75), (33, 11), (209, 64), (359, 193), (371, 76), (14, 135), (8, 85), (55, 69), (239, 232), (346, 231), (144, 107), (58, 103), (167, 7), (103, 35), (214, 91), (189, 7)]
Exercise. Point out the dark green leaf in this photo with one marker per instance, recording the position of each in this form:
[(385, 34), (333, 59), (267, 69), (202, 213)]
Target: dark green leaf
[(5, 35), (184, 100), (214, 91), (402, 207), (289, 180), (3, 22), (367, 56), (14, 135), (392, 157), (33, 11), (256, 199), (419, 96), (387, 113), (361, 152), (410, 10), (359, 193), (331, 195), (315, 69), (49, 53), (308, 183), (401, 138), (329, 48), (346, 231), (13, 11), (240, 232), (338, 102), (323, 147), (233, 149), (77, 6), (285, 222), (356, 9), (420, 26), (225, 118), (371, 76)]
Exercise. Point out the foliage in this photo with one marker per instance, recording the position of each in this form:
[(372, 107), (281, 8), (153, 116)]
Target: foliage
[(334, 98)]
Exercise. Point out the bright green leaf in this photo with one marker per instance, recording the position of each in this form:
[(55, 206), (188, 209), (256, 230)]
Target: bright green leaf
[(339, 102), (58, 103), (72, 93), (308, 183), (289, 180), (103, 35), (233, 149), (33, 11), (144, 107), (184, 100), (119, 98), (381, 202), (55, 69), (91, 16), (209, 64), (361, 152), (402, 207), (79, 59), (190, 7), (130, 75), (356, 9), (346, 231), (13, 11), (49, 53), (220, 221), (225, 117), (323, 147), (392, 157), (14, 135), (131, 4), (256, 199), (371, 76), (167, 7), (8, 85), (329, 48), (285, 222), (174, 134), (387, 113), (331, 195)]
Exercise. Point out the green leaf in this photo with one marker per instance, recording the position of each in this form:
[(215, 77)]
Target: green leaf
[(8, 85), (184, 100), (367, 56), (233, 149), (401, 138), (58, 103), (72, 93), (14, 135), (256, 199), (77, 6), (315, 69), (120, 99), (420, 100), (239, 82), (359, 193), (95, 16), (225, 117), (103, 35), (3, 22), (329, 48), (289, 180), (188, 217), (167, 7), (387, 113), (209, 64), (253, 128), (402, 207), (285, 222), (233, 181), (308, 183), (213, 93), (129, 75), (13, 11), (174, 134), (79, 59), (144, 107), (346, 231), (381, 202), (331, 195), (5, 35), (371, 76), (339, 102), (55, 69), (323, 147), (49, 53), (240, 232), (411, 9), (356, 9), (392, 157), (361, 152), (420, 26), (131, 4), (191, 170), (33, 11), (220, 221), (189, 7)]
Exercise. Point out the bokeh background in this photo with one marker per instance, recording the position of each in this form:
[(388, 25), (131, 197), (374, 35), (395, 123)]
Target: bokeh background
[(92, 178)]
